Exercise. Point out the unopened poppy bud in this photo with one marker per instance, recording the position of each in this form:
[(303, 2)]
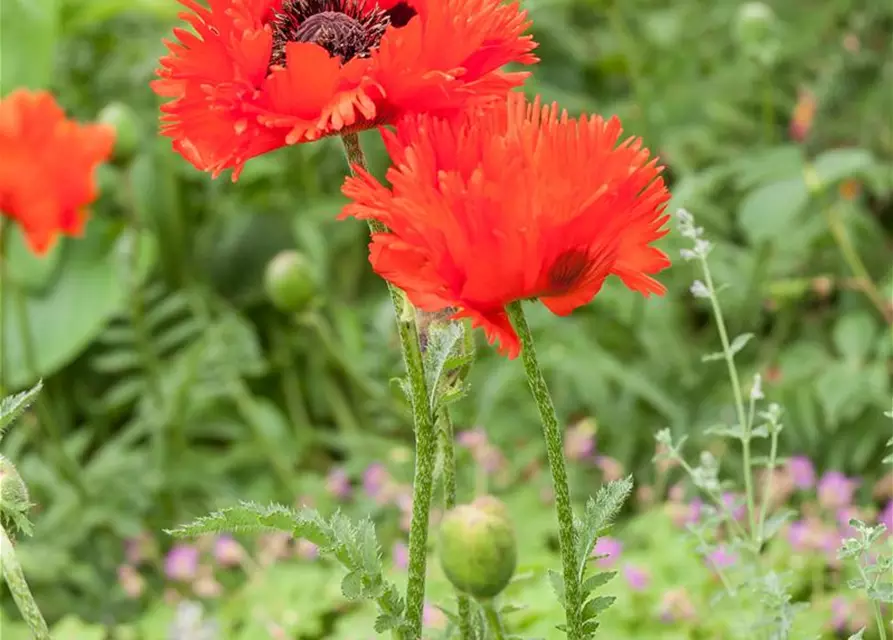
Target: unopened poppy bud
[(126, 125), (478, 550), (13, 492), (289, 281)]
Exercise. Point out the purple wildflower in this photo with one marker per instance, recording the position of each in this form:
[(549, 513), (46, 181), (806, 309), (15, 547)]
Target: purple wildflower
[(433, 618), (798, 535), (132, 583), (400, 554), (695, 511), (306, 549), (608, 547), (734, 504), (181, 563), (472, 438), (886, 516), (802, 472), (722, 557), (338, 484), (836, 490), (579, 441), (375, 482), (637, 578), (227, 552)]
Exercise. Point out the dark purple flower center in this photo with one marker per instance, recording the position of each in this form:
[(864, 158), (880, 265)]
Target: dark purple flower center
[(344, 28)]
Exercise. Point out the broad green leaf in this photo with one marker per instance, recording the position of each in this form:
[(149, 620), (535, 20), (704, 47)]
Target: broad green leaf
[(28, 33), (90, 287), (839, 164), (854, 335), (770, 212), (24, 269)]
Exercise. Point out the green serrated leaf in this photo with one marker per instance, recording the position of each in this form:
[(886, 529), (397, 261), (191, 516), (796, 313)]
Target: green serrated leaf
[(443, 340), (596, 605), (248, 517), (597, 580), (11, 407), (386, 622), (557, 582), (352, 585), (600, 512), (882, 592)]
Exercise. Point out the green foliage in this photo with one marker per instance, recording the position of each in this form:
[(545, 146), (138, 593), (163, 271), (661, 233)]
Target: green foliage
[(355, 546), (12, 407)]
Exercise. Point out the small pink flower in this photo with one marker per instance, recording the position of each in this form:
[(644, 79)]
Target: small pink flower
[(579, 441), (338, 484), (306, 549), (611, 469), (472, 438), (886, 517), (735, 505), (206, 586), (676, 605), (491, 459), (836, 490), (802, 472), (798, 535), (695, 511), (722, 557), (228, 552), (181, 563), (132, 583), (840, 613), (433, 618), (400, 554), (376, 480), (637, 578), (608, 547)]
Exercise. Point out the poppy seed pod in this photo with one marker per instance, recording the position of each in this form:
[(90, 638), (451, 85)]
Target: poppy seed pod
[(477, 547), (289, 282)]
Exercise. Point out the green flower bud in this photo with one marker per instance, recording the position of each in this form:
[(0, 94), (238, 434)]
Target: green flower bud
[(756, 31), (478, 550), (13, 492), (127, 128), (289, 281)]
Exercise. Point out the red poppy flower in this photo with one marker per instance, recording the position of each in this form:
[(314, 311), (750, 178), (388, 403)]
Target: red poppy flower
[(47, 166), (518, 203), (259, 74)]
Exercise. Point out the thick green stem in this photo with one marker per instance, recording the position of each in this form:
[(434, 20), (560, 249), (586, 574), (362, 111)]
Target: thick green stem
[(18, 587), (426, 437), (739, 401), (448, 447), (567, 536)]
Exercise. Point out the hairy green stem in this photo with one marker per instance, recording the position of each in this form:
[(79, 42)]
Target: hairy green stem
[(567, 536), (770, 468), (449, 500), (878, 614), (18, 587), (493, 620), (426, 437), (739, 399)]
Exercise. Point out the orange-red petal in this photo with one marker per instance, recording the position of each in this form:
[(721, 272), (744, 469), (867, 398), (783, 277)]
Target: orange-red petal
[(47, 166), (513, 203)]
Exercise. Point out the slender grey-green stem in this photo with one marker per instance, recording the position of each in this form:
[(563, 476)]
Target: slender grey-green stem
[(739, 400), (878, 614), (770, 476), (567, 536), (448, 447), (493, 620), (425, 435), (18, 587)]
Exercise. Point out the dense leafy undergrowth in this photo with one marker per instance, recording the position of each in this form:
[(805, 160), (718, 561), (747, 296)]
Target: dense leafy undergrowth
[(173, 386)]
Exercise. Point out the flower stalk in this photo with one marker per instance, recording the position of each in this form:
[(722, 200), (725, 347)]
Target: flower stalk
[(567, 536), (426, 436), (18, 587)]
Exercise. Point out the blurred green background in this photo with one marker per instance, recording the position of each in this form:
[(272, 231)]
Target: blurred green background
[(174, 386)]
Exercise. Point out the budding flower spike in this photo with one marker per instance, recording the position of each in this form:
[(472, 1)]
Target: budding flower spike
[(513, 203), (256, 75)]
